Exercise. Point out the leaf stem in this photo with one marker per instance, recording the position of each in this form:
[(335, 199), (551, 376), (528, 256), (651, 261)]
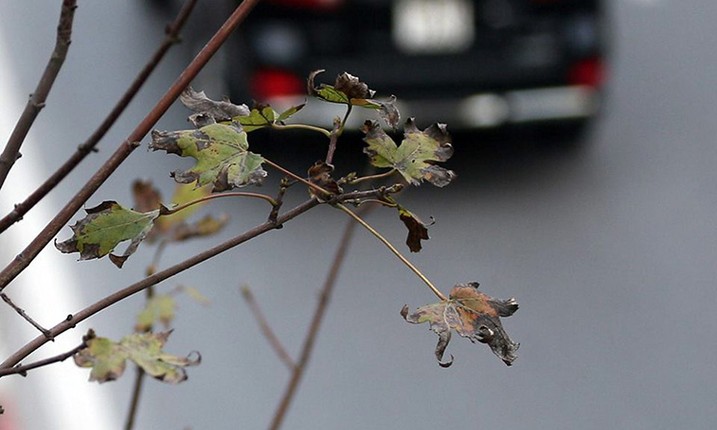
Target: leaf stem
[(298, 178), (323, 131), (168, 211), (373, 177), (393, 249)]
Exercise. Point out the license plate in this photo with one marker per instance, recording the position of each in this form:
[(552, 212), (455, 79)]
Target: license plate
[(433, 26)]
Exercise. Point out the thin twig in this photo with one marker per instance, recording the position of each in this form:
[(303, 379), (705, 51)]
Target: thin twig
[(309, 340), (31, 251), (171, 38), (393, 249), (37, 100), (293, 175), (22, 370), (24, 314), (266, 329)]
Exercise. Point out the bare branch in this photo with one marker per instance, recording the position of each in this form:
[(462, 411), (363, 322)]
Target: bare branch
[(37, 100), (266, 329), (22, 370), (24, 314), (313, 330), (171, 38), (24, 259)]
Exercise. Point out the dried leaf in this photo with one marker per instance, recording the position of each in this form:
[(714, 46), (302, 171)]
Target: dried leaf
[(349, 90), (415, 158), (217, 110), (107, 358), (159, 308), (206, 226), (222, 154), (471, 314), (320, 174), (104, 227), (417, 230)]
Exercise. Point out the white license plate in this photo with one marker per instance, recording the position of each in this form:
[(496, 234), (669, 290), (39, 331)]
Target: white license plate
[(433, 26)]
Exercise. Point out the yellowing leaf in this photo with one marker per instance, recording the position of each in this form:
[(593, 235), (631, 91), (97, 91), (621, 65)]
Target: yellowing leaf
[(417, 155), (222, 154), (159, 308), (104, 227), (471, 314), (107, 358)]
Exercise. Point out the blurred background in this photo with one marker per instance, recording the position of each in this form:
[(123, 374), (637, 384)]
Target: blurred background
[(586, 189)]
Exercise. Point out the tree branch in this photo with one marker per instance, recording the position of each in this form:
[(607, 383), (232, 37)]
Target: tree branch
[(24, 314), (167, 273), (22, 370), (171, 38), (37, 100), (309, 340), (24, 259), (267, 330)]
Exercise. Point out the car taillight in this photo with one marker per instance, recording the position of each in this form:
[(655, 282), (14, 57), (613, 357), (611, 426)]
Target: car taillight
[(272, 83), (589, 72)]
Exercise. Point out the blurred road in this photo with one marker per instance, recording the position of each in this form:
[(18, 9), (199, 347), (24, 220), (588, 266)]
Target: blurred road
[(609, 247)]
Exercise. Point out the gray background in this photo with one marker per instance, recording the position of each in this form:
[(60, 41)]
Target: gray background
[(609, 249)]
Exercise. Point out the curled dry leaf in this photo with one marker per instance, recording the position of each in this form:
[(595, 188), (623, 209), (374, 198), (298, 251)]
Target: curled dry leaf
[(350, 90), (320, 174), (107, 359), (219, 111), (417, 230), (106, 226), (222, 154), (417, 155), (471, 314)]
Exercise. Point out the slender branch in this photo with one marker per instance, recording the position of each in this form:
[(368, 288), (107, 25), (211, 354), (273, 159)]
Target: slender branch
[(266, 329), (22, 370), (155, 279), (334, 138), (168, 211), (24, 259), (24, 314), (313, 331), (393, 249), (297, 177), (171, 38), (37, 100), (167, 273)]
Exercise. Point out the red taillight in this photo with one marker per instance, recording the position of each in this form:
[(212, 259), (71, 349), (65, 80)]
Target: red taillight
[(270, 83), (590, 72)]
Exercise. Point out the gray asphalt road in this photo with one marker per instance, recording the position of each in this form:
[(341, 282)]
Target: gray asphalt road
[(609, 249)]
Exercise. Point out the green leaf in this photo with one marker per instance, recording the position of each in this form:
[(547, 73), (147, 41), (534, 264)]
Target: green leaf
[(259, 117), (222, 154), (415, 158), (159, 308), (107, 359), (471, 314), (290, 112), (104, 227)]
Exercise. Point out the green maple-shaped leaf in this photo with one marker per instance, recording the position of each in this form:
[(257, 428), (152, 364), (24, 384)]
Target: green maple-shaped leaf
[(222, 154), (417, 155), (107, 358), (350, 90), (471, 314), (265, 116), (104, 227)]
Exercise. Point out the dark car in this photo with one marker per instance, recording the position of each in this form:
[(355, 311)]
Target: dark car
[(473, 64)]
